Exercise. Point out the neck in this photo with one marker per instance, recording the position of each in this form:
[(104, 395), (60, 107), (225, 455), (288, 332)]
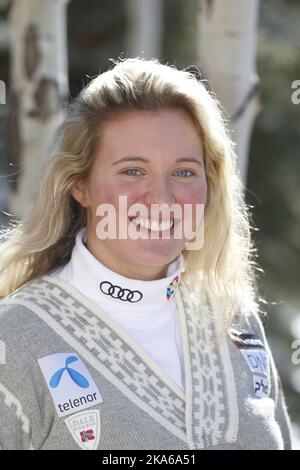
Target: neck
[(131, 271)]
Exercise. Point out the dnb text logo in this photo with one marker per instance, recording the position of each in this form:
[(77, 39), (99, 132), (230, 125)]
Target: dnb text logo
[(73, 374)]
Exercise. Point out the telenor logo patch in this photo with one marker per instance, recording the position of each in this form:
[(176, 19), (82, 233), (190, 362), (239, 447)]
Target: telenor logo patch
[(73, 373), (69, 382)]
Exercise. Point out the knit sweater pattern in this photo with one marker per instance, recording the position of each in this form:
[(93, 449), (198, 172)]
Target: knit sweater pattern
[(141, 407)]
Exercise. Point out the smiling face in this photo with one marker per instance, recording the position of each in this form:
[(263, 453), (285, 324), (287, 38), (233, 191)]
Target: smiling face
[(151, 158)]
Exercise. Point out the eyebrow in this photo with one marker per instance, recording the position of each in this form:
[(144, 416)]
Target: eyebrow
[(142, 159)]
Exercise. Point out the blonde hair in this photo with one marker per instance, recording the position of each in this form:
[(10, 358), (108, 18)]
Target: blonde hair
[(224, 267)]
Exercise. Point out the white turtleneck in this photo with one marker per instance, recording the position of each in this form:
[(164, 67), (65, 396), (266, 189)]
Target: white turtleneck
[(151, 316)]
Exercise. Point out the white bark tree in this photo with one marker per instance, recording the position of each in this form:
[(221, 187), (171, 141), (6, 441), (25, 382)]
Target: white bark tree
[(4, 184), (145, 28), (227, 51), (39, 86), (3, 27)]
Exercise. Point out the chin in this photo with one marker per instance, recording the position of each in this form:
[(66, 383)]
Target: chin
[(155, 257)]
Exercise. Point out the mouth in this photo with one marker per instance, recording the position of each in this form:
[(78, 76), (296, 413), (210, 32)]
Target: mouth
[(152, 225)]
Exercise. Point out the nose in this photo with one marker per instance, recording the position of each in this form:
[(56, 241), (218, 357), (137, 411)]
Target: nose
[(159, 191), (159, 198)]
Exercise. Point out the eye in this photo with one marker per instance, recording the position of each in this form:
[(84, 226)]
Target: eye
[(183, 171), (130, 172), (180, 173)]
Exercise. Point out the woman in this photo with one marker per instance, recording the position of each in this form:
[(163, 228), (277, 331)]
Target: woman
[(142, 340)]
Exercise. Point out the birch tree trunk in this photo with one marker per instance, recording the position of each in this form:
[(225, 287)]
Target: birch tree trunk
[(227, 51), (3, 26), (39, 87), (145, 28), (4, 179)]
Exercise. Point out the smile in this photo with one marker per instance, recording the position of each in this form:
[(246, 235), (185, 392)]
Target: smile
[(153, 225)]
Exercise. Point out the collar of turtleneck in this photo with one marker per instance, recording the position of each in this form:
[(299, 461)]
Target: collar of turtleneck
[(102, 284)]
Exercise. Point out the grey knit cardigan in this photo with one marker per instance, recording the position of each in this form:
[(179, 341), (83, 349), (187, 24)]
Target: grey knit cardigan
[(225, 404)]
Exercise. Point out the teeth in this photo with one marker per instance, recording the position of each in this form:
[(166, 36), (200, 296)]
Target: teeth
[(154, 226)]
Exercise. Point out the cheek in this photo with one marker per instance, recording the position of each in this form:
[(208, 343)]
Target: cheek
[(202, 193), (130, 194), (99, 192), (130, 190), (192, 214), (195, 194), (109, 192)]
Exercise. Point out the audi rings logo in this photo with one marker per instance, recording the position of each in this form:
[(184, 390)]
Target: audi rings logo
[(116, 292)]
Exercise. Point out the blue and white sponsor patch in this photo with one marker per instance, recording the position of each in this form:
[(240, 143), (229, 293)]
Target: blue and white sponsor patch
[(260, 385), (257, 359), (69, 382), (258, 363)]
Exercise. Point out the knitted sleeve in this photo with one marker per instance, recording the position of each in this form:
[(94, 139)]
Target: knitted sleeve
[(15, 426), (276, 392)]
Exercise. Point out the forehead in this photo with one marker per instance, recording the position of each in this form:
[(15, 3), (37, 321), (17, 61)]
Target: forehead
[(150, 131)]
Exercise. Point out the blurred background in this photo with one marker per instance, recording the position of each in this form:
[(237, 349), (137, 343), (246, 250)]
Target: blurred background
[(249, 53)]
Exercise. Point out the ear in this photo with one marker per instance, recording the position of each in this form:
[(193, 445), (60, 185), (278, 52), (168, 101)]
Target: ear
[(79, 193)]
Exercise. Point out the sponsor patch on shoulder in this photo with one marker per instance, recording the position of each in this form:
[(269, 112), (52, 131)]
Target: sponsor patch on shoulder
[(260, 385), (256, 358), (70, 384)]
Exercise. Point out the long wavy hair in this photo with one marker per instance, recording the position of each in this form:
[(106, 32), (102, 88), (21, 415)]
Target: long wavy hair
[(224, 267)]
